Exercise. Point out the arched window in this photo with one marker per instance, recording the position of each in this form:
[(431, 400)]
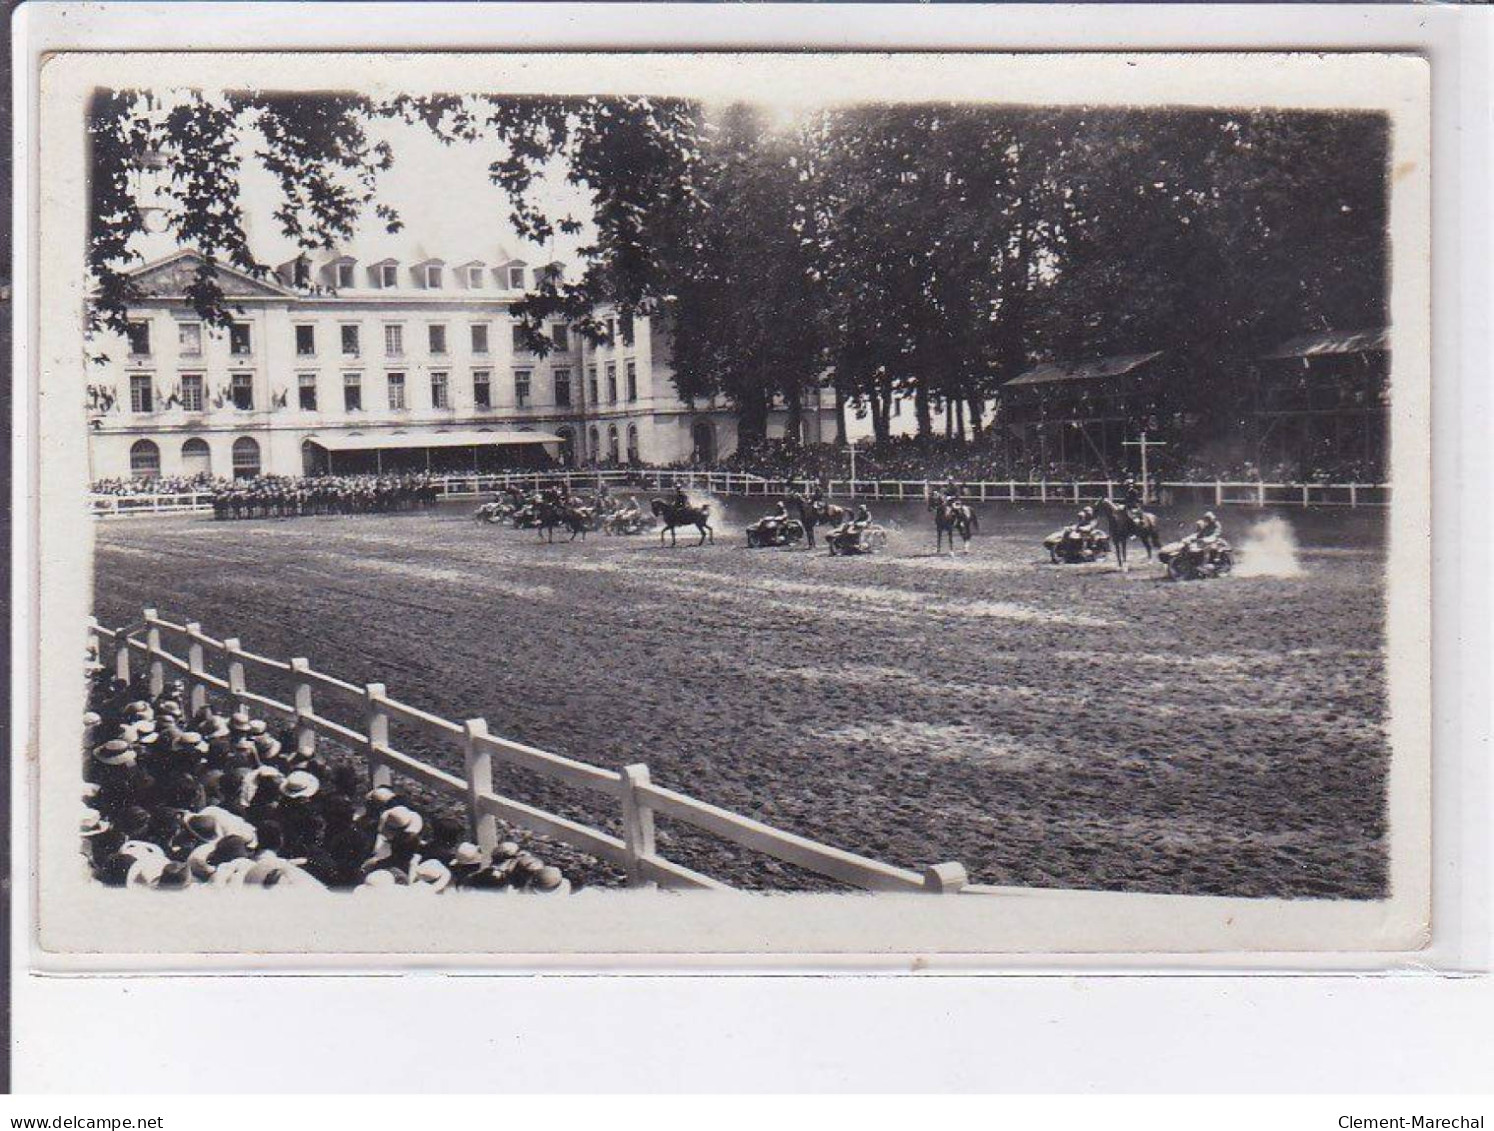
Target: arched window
[(595, 449), (612, 450), (567, 446), (704, 436), (145, 460), (245, 458), (633, 444), (197, 459)]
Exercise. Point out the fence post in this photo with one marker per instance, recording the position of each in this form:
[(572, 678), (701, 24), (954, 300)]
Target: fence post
[(235, 670), (157, 670), (482, 827), (1076, 492), (1353, 495), (1260, 493), (1011, 490), (1218, 493), (305, 731), (196, 689), (376, 727), (638, 822), (1043, 490), (945, 879), (1304, 495), (122, 657)]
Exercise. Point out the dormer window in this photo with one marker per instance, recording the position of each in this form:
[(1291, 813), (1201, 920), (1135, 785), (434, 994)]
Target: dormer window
[(474, 277), (388, 275), (516, 278), (301, 272), (344, 276), (433, 277)]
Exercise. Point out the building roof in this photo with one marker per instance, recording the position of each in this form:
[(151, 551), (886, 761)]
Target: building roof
[(1329, 342), (427, 438), (1095, 369)]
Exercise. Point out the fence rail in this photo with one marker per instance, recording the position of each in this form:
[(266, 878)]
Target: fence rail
[(1200, 492), (636, 798)]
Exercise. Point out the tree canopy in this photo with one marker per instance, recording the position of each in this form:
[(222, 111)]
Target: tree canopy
[(930, 251)]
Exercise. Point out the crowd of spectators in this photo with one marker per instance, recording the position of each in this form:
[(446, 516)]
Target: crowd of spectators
[(219, 798), (160, 485), (287, 496)]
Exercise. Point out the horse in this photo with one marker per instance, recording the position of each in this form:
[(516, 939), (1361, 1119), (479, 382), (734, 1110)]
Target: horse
[(814, 513), (1124, 526), (551, 515), (674, 514), (949, 516)]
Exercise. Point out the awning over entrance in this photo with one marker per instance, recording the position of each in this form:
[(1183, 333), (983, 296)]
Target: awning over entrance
[(396, 441)]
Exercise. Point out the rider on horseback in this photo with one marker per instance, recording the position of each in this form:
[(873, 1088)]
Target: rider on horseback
[(681, 499), (1131, 498)]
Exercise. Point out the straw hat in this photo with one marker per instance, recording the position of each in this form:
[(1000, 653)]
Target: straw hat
[(401, 819), (432, 873), (92, 824), (115, 752), (299, 785)]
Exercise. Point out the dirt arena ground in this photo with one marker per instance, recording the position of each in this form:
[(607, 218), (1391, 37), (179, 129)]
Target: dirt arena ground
[(1046, 726)]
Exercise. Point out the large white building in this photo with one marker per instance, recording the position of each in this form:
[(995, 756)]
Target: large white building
[(344, 363)]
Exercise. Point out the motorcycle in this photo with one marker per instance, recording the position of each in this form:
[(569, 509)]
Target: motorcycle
[(847, 540), (494, 512), (770, 531), (1066, 547), (1187, 559), (627, 522)]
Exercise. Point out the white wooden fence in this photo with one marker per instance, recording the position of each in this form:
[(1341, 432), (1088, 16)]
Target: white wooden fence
[(1201, 493), (635, 797)]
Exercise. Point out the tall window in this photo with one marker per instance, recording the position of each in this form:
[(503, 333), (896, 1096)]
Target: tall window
[(433, 277), (560, 334), (612, 452), (520, 345), (562, 386), (596, 443), (438, 339), (482, 388), (625, 324), (352, 392), (516, 278), (142, 393), (632, 380), (612, 382), (591, 383), (521, 386), (197, 458), (633, 443), (349, 341), (612, 331), (145, 460), (344, 276), (189, 339), (245, 458), (479, 337), (239, 341), (139, 335), (241, 389), (396, 390), (192, 392), (307, 390), (388, 275), (440, 391), (305, 341), (394, 340)]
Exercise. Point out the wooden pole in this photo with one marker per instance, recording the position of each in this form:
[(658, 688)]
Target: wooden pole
[(305, 731), (638, 822), (196, 689), (377, 731), (482, 827), (156, 670)]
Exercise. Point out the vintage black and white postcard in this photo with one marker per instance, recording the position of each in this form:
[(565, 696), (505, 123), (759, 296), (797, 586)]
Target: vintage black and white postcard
[(561, 506)]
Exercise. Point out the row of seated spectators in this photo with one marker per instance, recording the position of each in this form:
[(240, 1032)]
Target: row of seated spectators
[(160, 485), (289, 495), (220, 799), (905, 458)]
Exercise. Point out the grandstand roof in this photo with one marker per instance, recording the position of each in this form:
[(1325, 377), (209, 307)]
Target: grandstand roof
[(1333, 342), (427, 438), (1051, 372)]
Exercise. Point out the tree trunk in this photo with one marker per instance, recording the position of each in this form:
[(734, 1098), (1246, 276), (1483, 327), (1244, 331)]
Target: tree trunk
[(959, 410), (841, 439), (793, 399), (752, 417), (977, 426), (925, 413)]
